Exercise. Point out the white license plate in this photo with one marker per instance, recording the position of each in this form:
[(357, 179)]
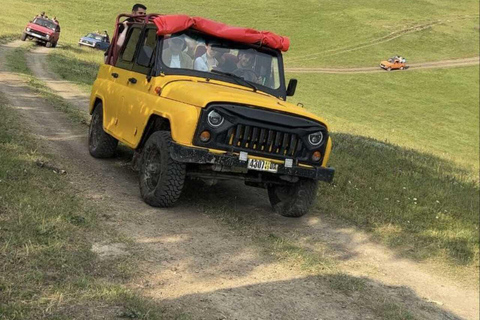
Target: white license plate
[(262, 165)]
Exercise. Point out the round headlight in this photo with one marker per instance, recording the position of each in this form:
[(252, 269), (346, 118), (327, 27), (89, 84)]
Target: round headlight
[(215, 119), (316, 138), (28, 29)]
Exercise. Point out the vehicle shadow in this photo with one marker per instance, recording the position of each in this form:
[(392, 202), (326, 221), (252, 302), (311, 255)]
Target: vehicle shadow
[(338, 296), (418, 204)]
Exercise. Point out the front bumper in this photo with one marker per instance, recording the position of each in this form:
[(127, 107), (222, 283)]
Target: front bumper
[(86, 44), (37, 36), (203, 156)]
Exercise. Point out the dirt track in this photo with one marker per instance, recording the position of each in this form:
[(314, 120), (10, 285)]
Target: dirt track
[(191, 262), (413, 66)]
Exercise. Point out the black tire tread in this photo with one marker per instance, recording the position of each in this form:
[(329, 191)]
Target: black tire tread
[(107, 145), (304, 193), (168, 189)]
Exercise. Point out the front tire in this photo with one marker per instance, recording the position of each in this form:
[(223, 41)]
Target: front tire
[(161, 177), (293, 200), (48, 44), (389, 69), (24, 37), (100, 143)]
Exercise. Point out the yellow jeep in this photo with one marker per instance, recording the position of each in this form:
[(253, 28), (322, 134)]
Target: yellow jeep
[(193, 104)]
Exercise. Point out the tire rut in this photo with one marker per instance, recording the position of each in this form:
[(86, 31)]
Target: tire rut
[(389, 37), (190, 262), (413, 66)]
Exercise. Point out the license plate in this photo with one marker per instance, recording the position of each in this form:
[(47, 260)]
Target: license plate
[(262, 165)]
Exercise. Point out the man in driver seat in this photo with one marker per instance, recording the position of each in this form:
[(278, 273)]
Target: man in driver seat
[(245, 60)]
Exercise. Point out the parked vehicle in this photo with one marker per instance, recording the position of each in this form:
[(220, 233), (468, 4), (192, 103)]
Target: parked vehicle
[(396, 62), (95, 40), (42, 30), (199, 99)]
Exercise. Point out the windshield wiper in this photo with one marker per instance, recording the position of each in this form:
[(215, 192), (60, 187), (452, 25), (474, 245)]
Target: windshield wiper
[(237, 79)]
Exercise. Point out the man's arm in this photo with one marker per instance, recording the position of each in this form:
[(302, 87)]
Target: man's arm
[(123, 34)]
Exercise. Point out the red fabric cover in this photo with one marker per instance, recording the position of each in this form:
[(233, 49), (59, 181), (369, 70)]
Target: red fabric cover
[(177, 23)]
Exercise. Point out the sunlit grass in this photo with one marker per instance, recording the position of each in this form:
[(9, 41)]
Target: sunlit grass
[(314, 27), (433, 111)]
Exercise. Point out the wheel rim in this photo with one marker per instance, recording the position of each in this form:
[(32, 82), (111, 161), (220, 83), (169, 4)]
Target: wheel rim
[(152, 169)]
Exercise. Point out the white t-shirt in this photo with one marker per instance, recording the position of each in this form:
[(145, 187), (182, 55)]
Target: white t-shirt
[(201, 63), (175, 62)]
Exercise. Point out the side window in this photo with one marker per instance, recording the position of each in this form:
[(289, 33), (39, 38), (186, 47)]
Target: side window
[(147, 48), (129, 51)]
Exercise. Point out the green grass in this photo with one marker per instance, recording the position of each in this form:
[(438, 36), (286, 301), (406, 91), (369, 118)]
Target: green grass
[(83, 72), (46, 235), (424, 207), (425, 122), (315, 27), (17, 62), (433, 111)]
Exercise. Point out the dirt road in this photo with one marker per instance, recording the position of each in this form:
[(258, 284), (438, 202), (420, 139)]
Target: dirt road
[(193, 259), (413, 66)]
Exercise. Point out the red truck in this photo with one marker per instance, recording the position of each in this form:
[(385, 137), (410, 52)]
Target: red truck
[(42, 30)]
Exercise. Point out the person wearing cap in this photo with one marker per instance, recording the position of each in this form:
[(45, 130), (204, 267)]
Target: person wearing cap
[(173, 55)]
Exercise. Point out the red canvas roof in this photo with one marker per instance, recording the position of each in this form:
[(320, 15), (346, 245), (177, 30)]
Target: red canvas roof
[(177, 23)]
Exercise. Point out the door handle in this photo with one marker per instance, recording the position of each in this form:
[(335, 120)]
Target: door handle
[(132, 80), (115, 75)]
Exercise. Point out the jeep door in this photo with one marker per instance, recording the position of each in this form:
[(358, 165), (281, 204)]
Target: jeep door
[(138, 100), (122, 88), (134, 111)]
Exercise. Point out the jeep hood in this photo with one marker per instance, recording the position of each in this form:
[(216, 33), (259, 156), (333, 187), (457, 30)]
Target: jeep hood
[(201, 93), (40, 28)]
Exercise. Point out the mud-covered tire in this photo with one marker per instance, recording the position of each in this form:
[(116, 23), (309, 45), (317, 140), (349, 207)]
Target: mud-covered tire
[(23, 37), (161, 177), (294, 200), (389, 69), (54, 45), (100, 143)]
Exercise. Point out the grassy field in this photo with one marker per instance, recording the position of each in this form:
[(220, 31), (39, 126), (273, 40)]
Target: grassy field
[(47, 232), (320, 31), (433, 111), (406, 143)]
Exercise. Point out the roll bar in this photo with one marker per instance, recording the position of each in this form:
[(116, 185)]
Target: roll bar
[(112, 53)]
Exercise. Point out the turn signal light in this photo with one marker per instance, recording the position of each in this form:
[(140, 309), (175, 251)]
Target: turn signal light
[(316, 156), (158, 90), (205, 136)]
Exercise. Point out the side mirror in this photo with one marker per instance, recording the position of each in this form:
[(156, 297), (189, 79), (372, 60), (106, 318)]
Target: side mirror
[(292, 86)]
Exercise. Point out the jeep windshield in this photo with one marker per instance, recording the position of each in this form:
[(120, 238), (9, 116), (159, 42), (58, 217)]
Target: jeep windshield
[(45, 23), (197, 54)]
